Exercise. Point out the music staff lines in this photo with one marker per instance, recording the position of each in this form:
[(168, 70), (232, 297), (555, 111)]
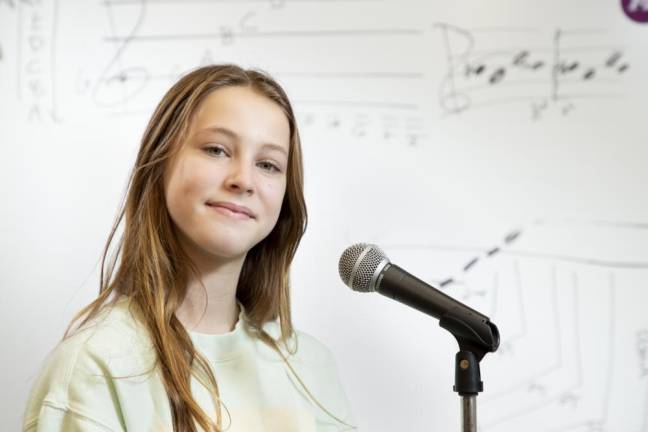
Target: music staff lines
[(538, 49), (258, 34), (319, 75), (574, 63), (274, 3), (359, 75), (372, 104), (385, 105), (536, 30), (529, 82)]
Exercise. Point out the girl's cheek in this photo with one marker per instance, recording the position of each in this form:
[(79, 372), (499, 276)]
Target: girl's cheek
[(274, 191), (205, 176)]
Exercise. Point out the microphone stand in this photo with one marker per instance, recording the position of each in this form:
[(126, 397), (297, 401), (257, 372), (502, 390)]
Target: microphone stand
[(476, 336), (474, 332)]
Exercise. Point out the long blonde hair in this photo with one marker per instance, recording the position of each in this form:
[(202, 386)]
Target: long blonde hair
[(154, 269)]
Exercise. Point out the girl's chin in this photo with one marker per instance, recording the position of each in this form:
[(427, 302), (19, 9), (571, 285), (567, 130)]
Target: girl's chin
[(228, 251)]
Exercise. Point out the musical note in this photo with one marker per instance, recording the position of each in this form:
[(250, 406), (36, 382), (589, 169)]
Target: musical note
[(483, 70), (537, 389), (567, 108), (389, 124), (277, 4), (537, 108), (569, 399), (121, 86), (412, 140), (226, 35), (614, 59), (334, 121), (359, 129), (522, 60), (117, 84)]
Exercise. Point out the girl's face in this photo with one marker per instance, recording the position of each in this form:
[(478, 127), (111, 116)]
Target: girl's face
[(236, 153)]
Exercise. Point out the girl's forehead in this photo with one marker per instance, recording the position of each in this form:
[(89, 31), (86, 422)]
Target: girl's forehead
[(241, 110), (237, 100)]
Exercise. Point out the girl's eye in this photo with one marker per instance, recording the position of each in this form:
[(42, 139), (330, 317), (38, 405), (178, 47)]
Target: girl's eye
[(269, 167), (215, 150), (219, 151)]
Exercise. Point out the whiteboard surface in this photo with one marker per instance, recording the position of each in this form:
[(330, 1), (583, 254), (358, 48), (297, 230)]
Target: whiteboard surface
[(496, 149)]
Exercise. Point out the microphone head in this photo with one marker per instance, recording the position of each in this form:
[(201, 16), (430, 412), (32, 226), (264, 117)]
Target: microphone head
[(360, 266)]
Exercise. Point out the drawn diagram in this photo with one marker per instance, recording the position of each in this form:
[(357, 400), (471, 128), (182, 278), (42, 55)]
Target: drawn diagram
[(569, 299), (568, 296), (133, 50), (541, 70), (344, 75), (36, 74)]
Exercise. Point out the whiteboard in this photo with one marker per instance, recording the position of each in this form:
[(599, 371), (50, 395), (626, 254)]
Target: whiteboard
[(497, 150)]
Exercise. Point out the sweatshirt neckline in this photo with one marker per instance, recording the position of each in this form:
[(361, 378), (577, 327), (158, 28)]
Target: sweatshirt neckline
[(224, 346), (218, 347)]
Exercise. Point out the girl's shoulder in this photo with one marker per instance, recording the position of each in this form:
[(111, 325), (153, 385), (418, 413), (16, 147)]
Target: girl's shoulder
[(114, 333), (113, 341), (84, 365)]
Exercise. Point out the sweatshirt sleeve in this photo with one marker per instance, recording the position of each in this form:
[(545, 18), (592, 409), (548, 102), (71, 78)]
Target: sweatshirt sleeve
[(53, 418), (73, 392)]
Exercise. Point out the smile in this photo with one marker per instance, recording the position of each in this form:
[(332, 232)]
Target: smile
[(228, 212)]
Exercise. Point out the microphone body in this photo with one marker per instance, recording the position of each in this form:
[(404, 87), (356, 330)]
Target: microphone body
[(365, 268), (399, 285)]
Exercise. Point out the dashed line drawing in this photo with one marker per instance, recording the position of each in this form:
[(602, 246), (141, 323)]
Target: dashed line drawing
[(571, 324)]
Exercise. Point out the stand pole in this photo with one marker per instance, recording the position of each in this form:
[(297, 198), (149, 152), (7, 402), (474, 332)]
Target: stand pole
[(469, 413), (476, 336), (468, 384)]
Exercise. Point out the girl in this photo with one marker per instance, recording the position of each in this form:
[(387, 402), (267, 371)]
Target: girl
[(194, 331)]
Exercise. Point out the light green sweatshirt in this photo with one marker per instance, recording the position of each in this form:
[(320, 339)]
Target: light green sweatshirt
[(79, 389)]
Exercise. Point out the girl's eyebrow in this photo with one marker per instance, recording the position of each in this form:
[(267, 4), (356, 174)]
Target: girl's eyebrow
[(234, 135)]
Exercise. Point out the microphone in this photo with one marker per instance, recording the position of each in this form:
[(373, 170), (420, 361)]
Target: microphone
[(364, 267)]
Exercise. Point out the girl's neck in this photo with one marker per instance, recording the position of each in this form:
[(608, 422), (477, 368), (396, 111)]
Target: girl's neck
[(213, 308)]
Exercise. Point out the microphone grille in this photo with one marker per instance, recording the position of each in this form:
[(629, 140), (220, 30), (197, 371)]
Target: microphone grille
[(358, 265)]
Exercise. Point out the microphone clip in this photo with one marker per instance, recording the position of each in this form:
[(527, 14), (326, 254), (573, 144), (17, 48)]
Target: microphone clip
[(476, 336)]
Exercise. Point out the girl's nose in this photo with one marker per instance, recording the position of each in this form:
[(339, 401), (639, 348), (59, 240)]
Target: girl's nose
[(240, 177)]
